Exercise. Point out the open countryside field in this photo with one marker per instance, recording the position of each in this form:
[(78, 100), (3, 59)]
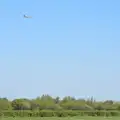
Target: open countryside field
[(66, 118)]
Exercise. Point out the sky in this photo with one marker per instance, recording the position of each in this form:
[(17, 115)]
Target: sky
[(68, 48)]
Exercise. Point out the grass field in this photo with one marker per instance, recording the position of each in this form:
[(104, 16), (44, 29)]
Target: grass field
[(67, 118)]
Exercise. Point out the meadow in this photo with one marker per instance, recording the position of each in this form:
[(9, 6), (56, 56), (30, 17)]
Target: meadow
[(63, 118)]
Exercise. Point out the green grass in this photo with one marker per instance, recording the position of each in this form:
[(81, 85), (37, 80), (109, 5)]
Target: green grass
[(67, 118)]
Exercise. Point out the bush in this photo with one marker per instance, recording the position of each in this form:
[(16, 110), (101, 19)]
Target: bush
[(59, 113)]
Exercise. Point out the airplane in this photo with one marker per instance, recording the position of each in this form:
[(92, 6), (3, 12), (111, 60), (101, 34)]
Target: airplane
[(25, 16)]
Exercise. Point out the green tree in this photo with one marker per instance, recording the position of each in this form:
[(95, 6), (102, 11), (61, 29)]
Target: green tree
[(21, 104), (5, 104)]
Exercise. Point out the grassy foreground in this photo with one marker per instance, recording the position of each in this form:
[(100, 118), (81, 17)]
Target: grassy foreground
[(67, 118)]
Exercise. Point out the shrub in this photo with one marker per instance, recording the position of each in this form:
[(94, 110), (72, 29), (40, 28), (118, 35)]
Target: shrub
[(59, 113)]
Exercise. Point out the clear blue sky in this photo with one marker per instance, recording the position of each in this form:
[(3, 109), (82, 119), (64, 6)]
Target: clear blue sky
[(69, 47)]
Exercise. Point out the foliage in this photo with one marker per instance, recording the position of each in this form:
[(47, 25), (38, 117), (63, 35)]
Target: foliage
[(46, 105), (63, 113)]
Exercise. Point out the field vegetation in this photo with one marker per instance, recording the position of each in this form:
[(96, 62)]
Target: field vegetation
[(47, 106)]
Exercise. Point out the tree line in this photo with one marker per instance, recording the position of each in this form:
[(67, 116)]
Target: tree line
[(46, 102)]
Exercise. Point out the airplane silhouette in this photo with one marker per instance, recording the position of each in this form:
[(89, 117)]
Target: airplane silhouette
[(25, 16)]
